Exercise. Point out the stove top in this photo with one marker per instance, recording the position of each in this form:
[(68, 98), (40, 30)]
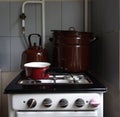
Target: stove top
[(58, 79), (58, 82)]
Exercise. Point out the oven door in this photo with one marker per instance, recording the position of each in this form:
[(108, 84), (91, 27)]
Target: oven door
[(57, 114)]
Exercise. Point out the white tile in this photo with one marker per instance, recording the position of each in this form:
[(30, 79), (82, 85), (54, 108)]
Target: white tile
[(4, 19), (15, 21), (38, 22), (16, 51), (30, 21), (5, 53), (52, 17), (72, 15)]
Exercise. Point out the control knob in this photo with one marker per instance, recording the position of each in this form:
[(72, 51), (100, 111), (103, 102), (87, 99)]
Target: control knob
[(79, 102), (94, 103), (47, 102), (63, 103), (31, 103)]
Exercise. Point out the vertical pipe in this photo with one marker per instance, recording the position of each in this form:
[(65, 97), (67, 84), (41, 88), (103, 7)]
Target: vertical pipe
[(43, 24), (43, 17)]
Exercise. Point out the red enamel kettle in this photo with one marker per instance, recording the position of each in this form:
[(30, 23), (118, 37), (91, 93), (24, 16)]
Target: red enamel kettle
[(34, 53)]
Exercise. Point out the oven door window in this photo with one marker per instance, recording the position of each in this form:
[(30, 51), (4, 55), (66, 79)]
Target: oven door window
[(57, 114)]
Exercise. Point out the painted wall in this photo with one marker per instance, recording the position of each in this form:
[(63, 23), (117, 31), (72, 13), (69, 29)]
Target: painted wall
[(105, 24), (60, 14)]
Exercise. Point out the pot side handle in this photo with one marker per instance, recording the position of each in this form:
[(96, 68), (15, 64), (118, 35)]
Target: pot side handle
[(93, 39), (71, 28)]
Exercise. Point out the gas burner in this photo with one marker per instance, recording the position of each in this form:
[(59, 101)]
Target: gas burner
[(77, 78), (59, 79)]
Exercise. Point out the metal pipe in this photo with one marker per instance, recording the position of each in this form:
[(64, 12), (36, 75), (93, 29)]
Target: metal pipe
[(43, 17)]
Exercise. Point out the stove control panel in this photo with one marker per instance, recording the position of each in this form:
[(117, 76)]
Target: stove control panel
[(57, 101)]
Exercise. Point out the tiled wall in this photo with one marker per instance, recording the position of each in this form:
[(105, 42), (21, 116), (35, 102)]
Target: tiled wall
[(60, 14)]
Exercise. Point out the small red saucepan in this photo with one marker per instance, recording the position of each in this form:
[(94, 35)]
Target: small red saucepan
[(37, 70)]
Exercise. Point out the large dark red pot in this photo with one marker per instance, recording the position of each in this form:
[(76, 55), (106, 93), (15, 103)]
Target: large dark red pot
[(72, 50)]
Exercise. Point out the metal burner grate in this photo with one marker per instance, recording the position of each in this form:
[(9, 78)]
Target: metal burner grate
[(58, 79)]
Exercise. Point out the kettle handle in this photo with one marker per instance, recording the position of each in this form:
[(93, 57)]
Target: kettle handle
[(35, 34)]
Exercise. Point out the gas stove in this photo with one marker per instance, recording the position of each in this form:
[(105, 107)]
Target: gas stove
[(62, 94)]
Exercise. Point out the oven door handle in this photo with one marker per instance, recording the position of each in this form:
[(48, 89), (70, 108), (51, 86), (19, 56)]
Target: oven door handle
[(57, 114)]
